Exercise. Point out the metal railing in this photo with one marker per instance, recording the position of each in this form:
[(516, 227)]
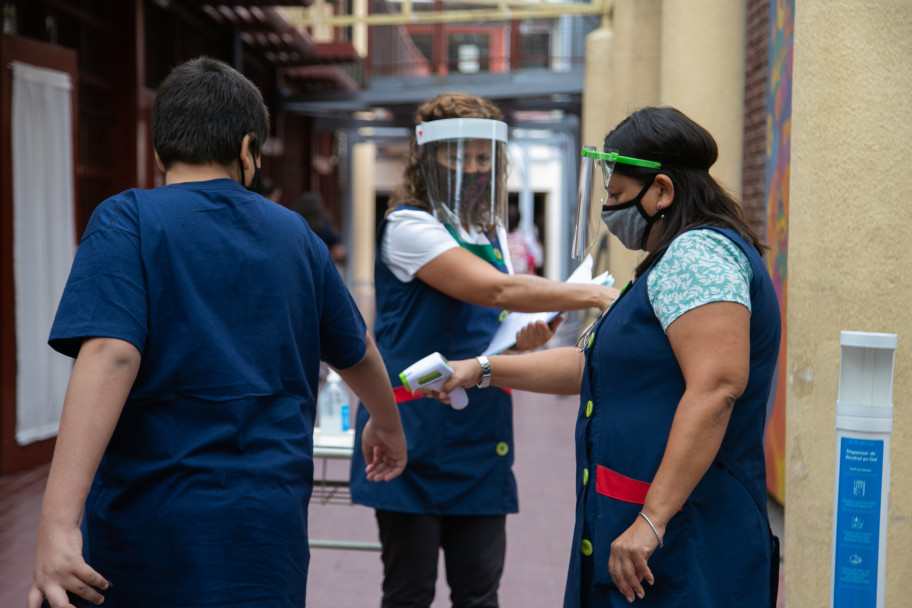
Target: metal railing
[(405, 51)]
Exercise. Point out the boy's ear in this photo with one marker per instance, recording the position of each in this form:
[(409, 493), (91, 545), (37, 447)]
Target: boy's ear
[(159, 163), (247, 154)]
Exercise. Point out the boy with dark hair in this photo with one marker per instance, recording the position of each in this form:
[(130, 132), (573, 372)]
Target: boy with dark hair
[(202, 110), (198, 314)]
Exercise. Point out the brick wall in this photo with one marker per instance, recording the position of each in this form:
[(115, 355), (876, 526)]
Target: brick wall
[(755, 87)]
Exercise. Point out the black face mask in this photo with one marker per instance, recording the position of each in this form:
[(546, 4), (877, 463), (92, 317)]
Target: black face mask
[(255, 184), (472, 186), (629, 222)]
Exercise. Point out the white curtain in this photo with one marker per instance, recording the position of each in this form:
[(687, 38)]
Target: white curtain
[(43, 240)]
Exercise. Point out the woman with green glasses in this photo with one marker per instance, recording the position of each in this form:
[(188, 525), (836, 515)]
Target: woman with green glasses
[(674, 380)]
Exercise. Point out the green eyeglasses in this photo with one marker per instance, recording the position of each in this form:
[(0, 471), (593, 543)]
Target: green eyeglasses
[(614, 157), (607, 160)]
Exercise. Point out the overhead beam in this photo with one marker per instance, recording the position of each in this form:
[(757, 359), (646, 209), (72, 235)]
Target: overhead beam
[(505, 11), (524, 88)]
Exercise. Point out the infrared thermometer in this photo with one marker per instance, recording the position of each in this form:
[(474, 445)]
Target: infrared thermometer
[(431, 372)]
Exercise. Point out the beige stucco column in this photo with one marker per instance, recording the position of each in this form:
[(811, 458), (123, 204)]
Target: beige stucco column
[(702, 74), (363, 228), (684, 53), (848, 265), (622, 74)]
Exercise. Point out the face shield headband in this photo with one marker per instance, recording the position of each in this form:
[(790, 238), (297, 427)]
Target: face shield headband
[(587, 216), (463, 161)]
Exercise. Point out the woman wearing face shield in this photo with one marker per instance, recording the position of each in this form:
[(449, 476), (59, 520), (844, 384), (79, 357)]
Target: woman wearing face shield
[(443, 279), (673, 380)]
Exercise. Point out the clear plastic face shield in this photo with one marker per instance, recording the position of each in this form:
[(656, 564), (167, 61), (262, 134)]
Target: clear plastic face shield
[(588, 218), (463, 161)]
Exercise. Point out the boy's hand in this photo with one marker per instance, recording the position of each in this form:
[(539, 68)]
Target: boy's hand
[(59, 568), (385, 452)]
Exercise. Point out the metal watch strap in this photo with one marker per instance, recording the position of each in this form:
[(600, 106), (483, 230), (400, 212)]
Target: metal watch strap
[(485, 372)]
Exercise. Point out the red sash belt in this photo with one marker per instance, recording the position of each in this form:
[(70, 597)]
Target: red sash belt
[(402, 394), (620, 487), (614, 485)]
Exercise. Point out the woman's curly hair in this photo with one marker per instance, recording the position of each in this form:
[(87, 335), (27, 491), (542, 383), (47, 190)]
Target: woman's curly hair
[(412, 190)]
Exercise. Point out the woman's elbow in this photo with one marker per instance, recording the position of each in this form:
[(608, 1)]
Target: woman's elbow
[(490, 295), (728, 384), (508, 294), (727, 394)]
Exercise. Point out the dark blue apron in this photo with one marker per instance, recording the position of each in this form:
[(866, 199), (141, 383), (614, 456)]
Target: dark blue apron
[(717, 549), (460, 461)]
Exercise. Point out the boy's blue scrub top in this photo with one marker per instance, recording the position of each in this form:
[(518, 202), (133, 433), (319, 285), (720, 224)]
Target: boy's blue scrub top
[(201, 496)]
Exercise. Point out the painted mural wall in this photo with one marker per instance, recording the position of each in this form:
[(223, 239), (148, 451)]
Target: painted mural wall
[(778, 144)]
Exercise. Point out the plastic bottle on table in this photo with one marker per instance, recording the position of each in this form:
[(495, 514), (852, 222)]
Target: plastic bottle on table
[(333, 406)]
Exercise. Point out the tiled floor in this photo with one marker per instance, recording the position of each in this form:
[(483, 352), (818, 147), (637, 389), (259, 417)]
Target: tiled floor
[(20, 504), (538, 538)]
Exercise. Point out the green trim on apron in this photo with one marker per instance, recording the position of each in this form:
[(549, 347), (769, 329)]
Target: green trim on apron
[(486, 252)]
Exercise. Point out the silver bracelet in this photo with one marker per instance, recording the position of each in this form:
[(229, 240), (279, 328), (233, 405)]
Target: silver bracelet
[(654, 531), (485, 372)]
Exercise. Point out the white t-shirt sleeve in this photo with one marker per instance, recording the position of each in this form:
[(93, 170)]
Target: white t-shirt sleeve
[(412, 239)]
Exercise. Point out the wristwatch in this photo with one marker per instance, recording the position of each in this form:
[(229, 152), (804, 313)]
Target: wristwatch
[(485, 372)]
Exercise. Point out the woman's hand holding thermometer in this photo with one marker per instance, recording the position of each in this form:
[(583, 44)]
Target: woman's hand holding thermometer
[(430, 373)]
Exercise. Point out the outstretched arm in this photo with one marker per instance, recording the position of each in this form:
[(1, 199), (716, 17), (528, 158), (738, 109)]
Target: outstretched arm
[(383, 440), (557, 371), (103, 374), (465, 276)]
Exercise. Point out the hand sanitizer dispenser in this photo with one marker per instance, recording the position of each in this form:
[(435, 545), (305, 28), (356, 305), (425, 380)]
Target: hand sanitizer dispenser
[(864, 422)]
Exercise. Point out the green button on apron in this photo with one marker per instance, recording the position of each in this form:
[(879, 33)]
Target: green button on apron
[(502, 448), (586, 547), (588, 409), (585, 476)]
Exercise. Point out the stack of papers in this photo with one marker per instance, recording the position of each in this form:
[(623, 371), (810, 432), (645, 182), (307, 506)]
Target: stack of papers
[(505, 337)]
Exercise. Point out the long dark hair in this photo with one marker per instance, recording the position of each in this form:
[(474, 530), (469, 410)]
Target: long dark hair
[(686, 151)]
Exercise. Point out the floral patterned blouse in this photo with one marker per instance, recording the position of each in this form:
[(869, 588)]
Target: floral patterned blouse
[(700, 266)]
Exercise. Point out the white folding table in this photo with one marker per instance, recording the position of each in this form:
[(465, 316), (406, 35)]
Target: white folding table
[(330, 489)]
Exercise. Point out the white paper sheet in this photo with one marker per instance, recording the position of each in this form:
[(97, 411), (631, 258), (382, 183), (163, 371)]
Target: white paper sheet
[(505, 337)]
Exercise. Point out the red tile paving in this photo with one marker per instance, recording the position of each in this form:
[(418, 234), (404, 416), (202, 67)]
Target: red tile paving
[(538, 537), (20, 504)]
